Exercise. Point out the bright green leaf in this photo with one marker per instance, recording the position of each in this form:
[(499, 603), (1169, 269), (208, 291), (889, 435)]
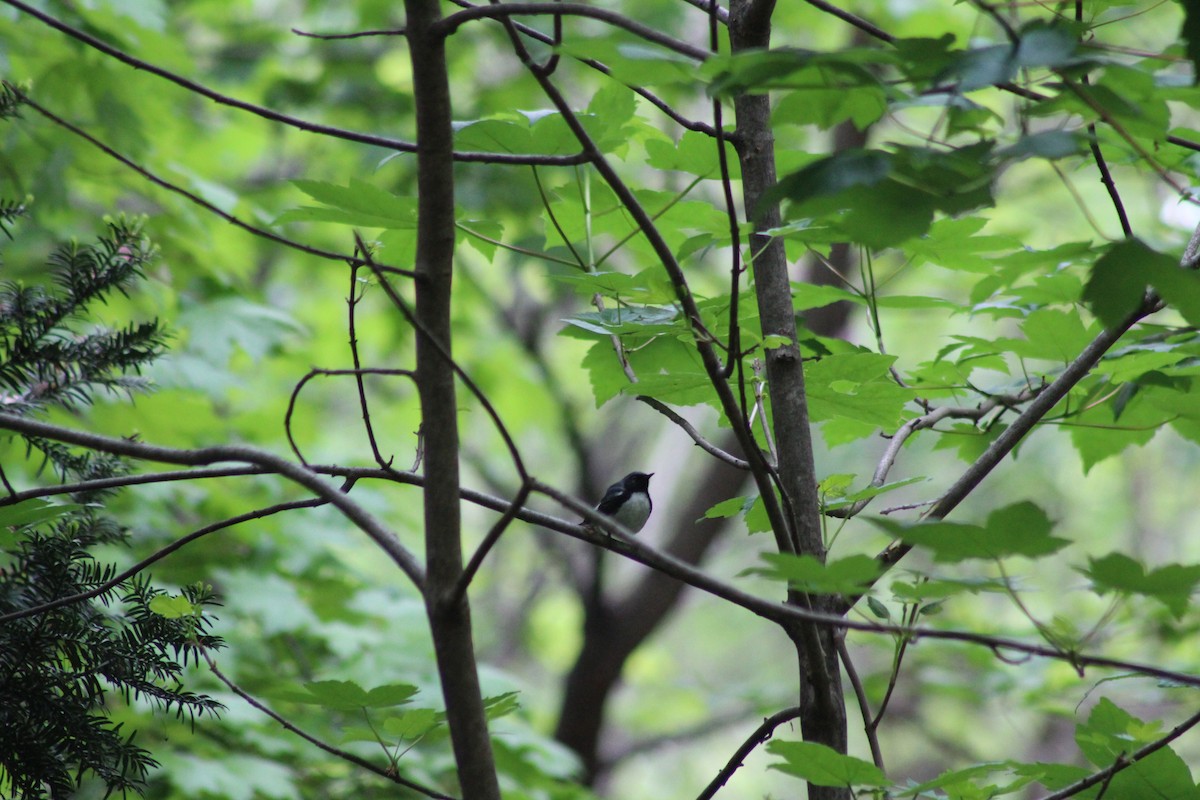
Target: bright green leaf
[(823, 765)]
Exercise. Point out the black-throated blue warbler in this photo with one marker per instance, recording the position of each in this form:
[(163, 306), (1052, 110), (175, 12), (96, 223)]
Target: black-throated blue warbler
[(628, 501)]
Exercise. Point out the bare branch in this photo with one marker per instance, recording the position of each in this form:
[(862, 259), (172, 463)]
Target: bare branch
[(489, 541), (119, 481), (389, 773), (761, 734), (650, 97), (190, 196), (691, 431), (275, 116), (451, 24), (158, 555), (352, 302), (204, 456), (357, 373), (354, 35), (928, 420), (864, 706), (1015, 433), (436, 343)]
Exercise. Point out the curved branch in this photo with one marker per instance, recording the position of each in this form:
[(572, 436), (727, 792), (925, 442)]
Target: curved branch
[(760, 735), (204, 456), (117, 482), (452, 23), (690, 430), (158, 555), (705, 342), (358, 373), (389, 773), (179, 190), (646, 94), (1107, 774), (270, 114), (928, 420)]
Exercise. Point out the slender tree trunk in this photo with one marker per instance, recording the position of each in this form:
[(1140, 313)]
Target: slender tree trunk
[(449, 611), (824, 710)]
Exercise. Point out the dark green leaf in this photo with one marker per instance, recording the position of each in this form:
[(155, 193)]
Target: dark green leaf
[(849, 576), (1043, 45), (1171, 585), (1118, 281), (1021, 529)]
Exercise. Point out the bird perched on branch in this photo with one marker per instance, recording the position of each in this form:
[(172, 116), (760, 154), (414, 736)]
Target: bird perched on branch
[(628, 501)]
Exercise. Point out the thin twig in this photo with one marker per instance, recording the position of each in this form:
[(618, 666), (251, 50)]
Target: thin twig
[(275, 116), (188, 195), (604, 69), (351, 305), (1123, 762), (761, 734), (442, 350), (864, 706), (158, 555), (204, 456), (928, 420), (354, 35), (451, 23), (489, 541), (99, 484), (690, 430), (315, 372), (384, 772)]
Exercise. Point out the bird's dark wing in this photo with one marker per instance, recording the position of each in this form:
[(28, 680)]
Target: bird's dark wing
[(612, 499)]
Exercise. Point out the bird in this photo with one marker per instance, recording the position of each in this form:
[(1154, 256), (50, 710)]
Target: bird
[(628, 501)]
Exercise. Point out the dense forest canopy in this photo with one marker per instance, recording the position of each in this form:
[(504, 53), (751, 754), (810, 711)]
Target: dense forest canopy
[(324, 327)]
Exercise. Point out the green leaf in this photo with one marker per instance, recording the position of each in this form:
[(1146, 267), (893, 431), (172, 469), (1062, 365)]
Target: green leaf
[(34, 511), (1021, 529), (1111, 733), (878, 608), (1050, 145), (695, 154), (856, 386), (824, 766), (359, 204), (1046, 45), (1118, 281), (832, 175), (174, 607), (849, 576), (1172, 585), (648, 320), (872, 491), (730, 508), (983, 67), (413, 723), (348, 695)]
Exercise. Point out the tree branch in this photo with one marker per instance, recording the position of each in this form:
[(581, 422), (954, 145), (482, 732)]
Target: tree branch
[(190, 196), (204, 456), (452, 23), (446, 605), (761, 734), (120, 481), (690, 430), (389, 773), (270, 114), (158, 555), (1124, 762)]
